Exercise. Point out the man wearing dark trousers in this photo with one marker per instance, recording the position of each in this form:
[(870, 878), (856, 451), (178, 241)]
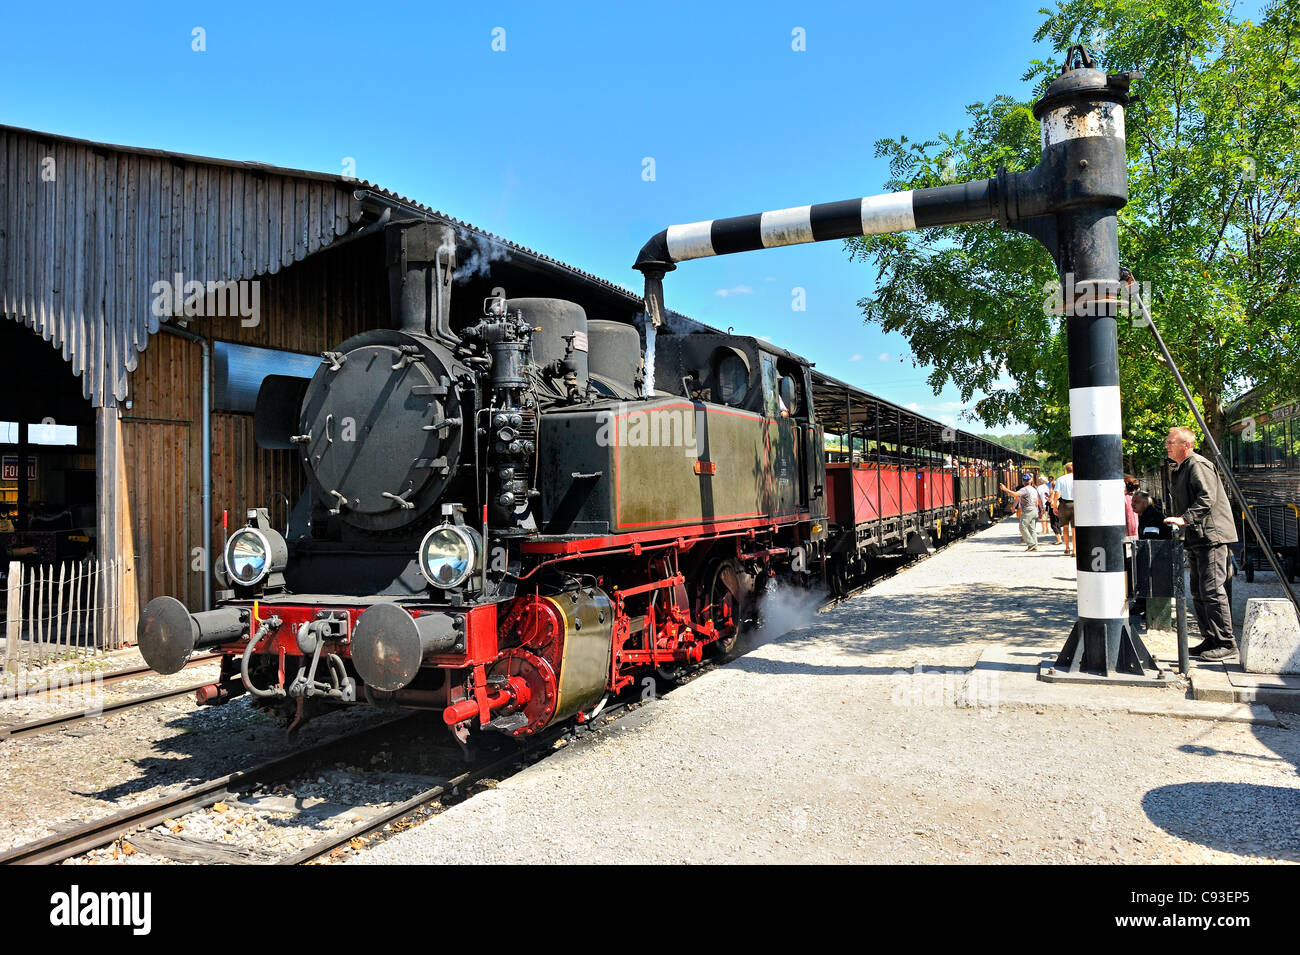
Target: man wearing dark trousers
[(1199, 504)]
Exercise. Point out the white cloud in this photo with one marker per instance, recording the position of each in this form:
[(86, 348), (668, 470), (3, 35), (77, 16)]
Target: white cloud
[(856, 358), (765, 338), (883, 356), (735, 290), (913, 406)]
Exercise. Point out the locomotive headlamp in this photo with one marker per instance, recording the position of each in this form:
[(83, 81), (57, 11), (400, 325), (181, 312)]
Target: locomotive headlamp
[(254, 552), (248, 556), (448, 555)]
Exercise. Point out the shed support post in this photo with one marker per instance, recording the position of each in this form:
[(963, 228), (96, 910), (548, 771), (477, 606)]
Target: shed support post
[(14, 618), (115, 622)]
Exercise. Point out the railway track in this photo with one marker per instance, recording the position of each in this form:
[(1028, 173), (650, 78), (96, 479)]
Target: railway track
[(101, 832), (415, 808), (108, 830), (375, 827), (64, 720), (108, 679)]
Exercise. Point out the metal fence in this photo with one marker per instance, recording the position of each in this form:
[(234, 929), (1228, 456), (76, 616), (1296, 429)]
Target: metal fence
[(63, 610)]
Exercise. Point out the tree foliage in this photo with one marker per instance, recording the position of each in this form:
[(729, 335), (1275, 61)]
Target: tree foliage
[(1211, 226), (1024, 443)]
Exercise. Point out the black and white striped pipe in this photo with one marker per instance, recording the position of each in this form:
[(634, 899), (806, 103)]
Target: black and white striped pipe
[(870, 215), (1068, 202), (1096, 442)]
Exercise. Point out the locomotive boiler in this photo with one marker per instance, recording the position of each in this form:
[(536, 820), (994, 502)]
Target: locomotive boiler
[(502, 522)]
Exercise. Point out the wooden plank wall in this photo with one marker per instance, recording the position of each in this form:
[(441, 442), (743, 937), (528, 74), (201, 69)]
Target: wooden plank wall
[(308, 308), (316, 304), (161, 441), (244, 475)]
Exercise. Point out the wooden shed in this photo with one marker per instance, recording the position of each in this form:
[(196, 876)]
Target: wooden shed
[(98, 247)]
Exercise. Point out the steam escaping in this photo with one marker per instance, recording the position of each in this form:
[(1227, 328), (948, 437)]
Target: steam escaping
[(482, 252), (782, 608)]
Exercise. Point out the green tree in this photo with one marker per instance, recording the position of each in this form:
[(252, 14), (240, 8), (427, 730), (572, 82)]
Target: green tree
[(1024, 443), (1211, 226)]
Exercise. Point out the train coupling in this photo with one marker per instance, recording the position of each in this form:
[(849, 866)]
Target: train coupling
[(337, 685)]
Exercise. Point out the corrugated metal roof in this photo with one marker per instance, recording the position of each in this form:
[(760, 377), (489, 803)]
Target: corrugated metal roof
[(87, 228), (343, 182)]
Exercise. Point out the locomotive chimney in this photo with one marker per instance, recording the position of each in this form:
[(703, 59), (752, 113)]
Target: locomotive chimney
[(421, 256)]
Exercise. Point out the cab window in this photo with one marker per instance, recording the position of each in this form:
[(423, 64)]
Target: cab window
[(771, 388), (733, 379)]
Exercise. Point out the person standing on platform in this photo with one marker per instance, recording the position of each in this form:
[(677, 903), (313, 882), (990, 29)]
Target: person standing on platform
[(1151, 526), (1199, 504), (1053, 519), (1027, 508), (1065, 506), (1131, 484), (1044, 504)]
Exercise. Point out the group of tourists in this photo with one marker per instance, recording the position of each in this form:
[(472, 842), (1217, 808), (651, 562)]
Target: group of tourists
[(1047, 503), (1198, 504)]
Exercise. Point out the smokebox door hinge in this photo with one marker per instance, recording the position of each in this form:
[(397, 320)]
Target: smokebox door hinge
[(434, 464)]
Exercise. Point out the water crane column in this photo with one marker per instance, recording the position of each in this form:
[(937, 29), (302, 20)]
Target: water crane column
[(1068, 202)]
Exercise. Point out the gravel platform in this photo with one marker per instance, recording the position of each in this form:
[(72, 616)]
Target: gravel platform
[(865, 735)]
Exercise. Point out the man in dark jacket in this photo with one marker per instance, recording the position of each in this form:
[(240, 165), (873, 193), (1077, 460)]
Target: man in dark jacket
[(1200, 504), (1151, 520)]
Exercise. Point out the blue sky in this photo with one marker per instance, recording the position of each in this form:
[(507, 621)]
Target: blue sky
[(546, 141)]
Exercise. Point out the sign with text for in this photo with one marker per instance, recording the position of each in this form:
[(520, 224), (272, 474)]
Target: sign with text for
[(9, 468)]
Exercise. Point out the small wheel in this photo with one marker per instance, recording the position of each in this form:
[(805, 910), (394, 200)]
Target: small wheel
[(669, 675), (839, 577)]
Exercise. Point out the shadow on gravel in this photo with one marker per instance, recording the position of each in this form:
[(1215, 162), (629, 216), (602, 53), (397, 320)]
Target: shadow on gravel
[(1241, 818), (208, 743), (1023, 616)]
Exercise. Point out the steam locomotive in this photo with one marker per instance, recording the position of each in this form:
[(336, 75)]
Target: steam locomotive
[(512, 516)]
